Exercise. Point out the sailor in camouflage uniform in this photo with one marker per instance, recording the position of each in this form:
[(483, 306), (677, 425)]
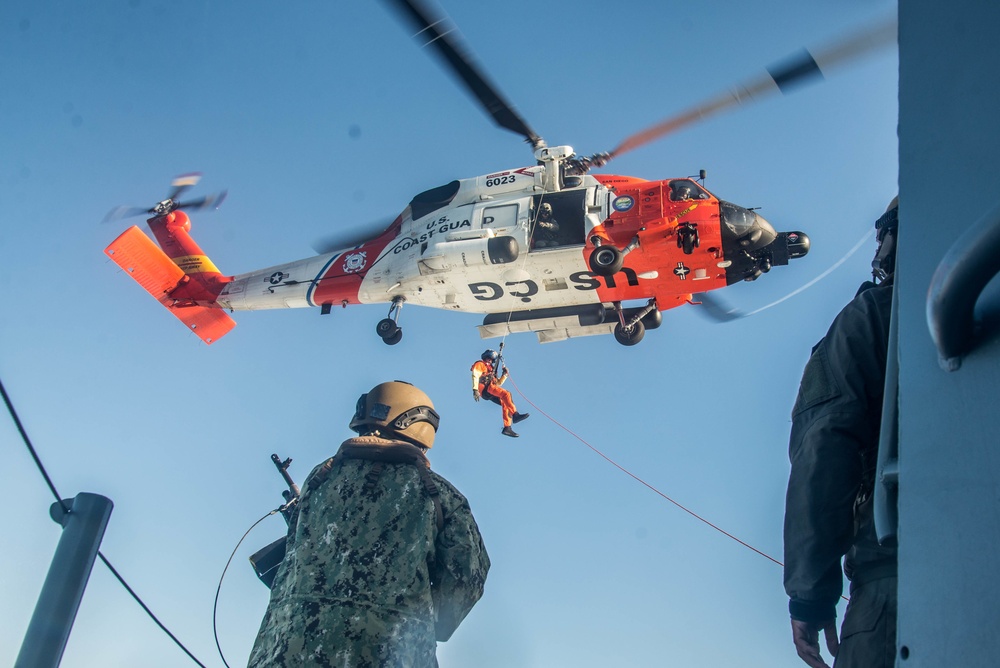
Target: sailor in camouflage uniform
[(384, 557)]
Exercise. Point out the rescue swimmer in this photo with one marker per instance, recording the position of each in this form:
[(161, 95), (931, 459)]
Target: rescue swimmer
[(486, 384)]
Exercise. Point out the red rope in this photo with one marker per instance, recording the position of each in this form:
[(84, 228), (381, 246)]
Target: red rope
[(640, 480)]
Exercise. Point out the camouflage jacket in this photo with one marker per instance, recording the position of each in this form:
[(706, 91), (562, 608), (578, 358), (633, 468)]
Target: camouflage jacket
[(373, 575)]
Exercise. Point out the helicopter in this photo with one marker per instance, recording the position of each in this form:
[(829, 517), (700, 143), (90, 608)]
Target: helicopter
[(549, 248)]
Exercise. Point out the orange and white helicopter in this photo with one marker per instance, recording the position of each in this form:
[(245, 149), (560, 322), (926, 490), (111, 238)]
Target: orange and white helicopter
[(548, 248)]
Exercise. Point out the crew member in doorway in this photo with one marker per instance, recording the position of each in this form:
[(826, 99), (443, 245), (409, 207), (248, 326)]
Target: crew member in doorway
[(384, 558), (833, 450), (546, 228), (486, 384)]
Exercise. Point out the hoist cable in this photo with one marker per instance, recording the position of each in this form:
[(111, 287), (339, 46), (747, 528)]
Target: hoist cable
[(61, 502), (649, 486), (524, 260), (641, 481)]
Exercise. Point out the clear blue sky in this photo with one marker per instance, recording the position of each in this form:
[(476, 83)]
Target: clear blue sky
[(319, 116)]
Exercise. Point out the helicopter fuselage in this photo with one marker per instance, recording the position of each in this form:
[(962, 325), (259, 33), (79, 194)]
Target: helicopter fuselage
[(559, 257)]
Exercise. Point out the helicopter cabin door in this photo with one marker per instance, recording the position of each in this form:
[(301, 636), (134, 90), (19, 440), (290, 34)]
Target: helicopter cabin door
[(557, 220)]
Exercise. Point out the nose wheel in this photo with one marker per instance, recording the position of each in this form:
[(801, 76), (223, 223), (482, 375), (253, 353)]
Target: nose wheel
[(388, 328), (606, 259), (687, 238)]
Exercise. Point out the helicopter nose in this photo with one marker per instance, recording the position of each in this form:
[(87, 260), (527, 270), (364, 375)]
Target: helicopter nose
[(744, 229)]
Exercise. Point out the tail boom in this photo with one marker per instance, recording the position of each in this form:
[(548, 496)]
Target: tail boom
[(183, 291)]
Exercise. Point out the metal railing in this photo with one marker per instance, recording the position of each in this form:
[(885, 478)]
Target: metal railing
[(963, 273)]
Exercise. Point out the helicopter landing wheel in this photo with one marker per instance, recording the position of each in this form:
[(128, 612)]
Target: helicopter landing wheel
[(630, 336), (386, 329), (606, 260), (687, 245), (687, 238), (394, 339)]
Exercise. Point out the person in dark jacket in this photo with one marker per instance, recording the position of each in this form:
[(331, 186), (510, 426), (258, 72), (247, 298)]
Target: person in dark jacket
[(384, 558), (828, 508), (546, 228)]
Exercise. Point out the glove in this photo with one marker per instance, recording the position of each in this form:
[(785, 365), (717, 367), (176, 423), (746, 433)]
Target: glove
[(505, 372), (476, 395)]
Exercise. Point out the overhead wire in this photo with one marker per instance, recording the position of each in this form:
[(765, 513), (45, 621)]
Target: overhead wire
[(728, 314), (147, 610), (48, 481), (819, 278), (31, 447)]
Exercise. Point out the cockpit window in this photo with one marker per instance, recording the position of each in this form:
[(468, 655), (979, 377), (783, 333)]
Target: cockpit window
[(431, 200), (682, 190)]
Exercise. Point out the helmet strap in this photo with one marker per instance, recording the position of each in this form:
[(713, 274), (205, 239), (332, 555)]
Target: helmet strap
[(885, 258)]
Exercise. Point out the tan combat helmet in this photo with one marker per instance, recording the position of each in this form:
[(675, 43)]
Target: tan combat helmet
[(397, 409)]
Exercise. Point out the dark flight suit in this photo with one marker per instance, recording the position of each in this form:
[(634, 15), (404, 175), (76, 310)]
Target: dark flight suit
[(383, 559), (828, 508)]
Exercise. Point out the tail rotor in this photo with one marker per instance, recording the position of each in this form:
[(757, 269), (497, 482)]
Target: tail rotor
[(178, 186)]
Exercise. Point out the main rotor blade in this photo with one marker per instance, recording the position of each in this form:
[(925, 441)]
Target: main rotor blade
[(350, 238), (716, 309), (443, 36), (779, 78)]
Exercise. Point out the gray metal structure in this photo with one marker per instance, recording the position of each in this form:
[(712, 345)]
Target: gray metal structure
[(949, 422), (83, 528)]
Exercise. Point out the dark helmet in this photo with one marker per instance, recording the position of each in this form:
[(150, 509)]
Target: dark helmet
[(490, 355), (885, 230), (401, 410), (681, 190)]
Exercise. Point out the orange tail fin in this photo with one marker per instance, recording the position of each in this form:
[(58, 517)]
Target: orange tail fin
[(143, 260)]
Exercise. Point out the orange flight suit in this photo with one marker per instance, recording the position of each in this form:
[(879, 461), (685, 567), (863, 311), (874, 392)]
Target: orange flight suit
[(489, 387)]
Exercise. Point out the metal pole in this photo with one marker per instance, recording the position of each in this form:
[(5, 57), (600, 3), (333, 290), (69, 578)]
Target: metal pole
[(52, 621)]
